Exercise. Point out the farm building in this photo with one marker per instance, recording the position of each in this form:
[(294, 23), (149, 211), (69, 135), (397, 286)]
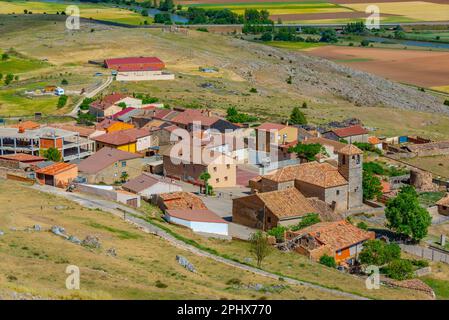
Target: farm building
[(178, 200), (138, 69), (59, 174), (108, 165), (112, 104), (339, 239), (350, 134), (147, 185), (199, 220)]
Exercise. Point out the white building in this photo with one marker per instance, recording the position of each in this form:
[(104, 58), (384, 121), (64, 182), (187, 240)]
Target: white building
[(148, 184), (199, 220)]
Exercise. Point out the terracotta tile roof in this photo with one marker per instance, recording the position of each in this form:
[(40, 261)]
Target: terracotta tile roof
[(200, 215), (27, 125), (350, 131), (162, 113), (122, 112), (155, 124), (443, 201), (320, 174), (145, 181), (103, 158), (189, 116), (181, 200), (337, 235), (271, 126), (108, 101), (56, 168), (22, 157), (83, 131), (373, 140), (350, 150), (106, 123), (337, 145), (118, 138), (286, 203), (324, 210)]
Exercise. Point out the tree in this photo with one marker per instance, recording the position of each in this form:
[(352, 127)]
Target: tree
[(122, 105), (124, 177), (307, 151), (52, 154), (399, 269), (231, 111), (205, 176), (372, 187), (64, 82), (378, 253), (364, 43), (9, 78), (362, 225), (328, 35), (406, 216), (259, 246), (328, 261), (62, 101), (297, 117), (5, 56)]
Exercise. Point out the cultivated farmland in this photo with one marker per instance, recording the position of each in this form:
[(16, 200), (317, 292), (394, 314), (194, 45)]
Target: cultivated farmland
[(398, 65), (94, 11)]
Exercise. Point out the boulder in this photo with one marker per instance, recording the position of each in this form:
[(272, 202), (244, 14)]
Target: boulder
[(185, 263), (91, 242)]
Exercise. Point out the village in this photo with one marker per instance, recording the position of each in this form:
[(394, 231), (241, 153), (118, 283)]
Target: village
[(326, 192)]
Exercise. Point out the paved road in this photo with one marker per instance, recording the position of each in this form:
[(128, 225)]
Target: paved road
[(132, 217), (90, 94)]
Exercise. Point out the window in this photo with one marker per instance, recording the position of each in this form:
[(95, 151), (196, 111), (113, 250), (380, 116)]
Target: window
[(269, 219), (123, 163), (226, 178), (116, 164), (358, 159), (353, 157), (217, 180), (339, 252), (228, 166), (343, 159), (215, 169), (338, 192)]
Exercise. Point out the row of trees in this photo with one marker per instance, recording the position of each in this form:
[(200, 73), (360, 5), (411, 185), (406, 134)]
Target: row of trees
[(225, 16)]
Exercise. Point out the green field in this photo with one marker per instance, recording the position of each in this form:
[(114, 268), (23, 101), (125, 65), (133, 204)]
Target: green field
[(94, 11), (14, 103), (294, 45), (16, 65)]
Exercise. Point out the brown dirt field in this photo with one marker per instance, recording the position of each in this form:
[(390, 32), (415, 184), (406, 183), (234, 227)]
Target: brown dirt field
[(421, 68), (323, 15)]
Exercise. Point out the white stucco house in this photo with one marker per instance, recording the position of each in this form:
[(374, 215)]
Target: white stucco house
[(199, 220)]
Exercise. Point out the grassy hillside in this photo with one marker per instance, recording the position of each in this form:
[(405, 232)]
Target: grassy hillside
[(332, 93), (144, 268)]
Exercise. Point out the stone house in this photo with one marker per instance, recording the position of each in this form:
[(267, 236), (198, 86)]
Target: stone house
[(338, 239), (109, 164), (270, 209), (268, 134), (340, 187), (443, 205)]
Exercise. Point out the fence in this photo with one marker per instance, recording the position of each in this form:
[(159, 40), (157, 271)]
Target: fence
[(429, 253)]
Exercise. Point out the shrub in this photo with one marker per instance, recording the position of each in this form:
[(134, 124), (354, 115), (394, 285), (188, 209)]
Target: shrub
[(446, 102), (62, 101), (308, 220), (234, 282), (378, 253), (328, 261), (253, 90), (64, 82), (420, 263), (277, 232), (160, 284), (399, 269), (362, 225)]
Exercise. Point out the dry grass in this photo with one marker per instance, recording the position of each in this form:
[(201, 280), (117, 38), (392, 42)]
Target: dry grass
[(438, 165), (35, 262)]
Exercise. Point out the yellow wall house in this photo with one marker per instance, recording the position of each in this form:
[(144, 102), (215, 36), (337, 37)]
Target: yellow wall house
[(109, 125), (274, 133), (131, 140)]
